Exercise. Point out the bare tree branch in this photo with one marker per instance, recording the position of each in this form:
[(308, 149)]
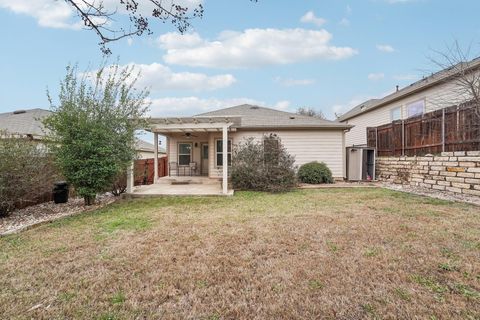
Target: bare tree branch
[(96, 17)]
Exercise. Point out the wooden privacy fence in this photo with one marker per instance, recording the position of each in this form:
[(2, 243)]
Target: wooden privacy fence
[(456, 128), (143, 170)]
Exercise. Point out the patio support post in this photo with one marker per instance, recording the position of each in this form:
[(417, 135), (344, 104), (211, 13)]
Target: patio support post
[(225, 160), (155, 157), (130, 178)]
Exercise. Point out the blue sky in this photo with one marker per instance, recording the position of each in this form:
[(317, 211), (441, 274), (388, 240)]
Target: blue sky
[(329, 55)]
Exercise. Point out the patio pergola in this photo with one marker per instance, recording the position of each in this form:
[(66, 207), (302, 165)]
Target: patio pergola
[(168, 126)]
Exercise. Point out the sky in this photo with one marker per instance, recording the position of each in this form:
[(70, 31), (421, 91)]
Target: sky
[(329, 55)]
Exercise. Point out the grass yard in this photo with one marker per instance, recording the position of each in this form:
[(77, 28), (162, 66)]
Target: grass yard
[(329, 253)]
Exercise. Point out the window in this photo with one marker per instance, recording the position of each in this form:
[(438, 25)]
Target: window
[(219, 152), (271, 148), (396, 113), (415, 108), (184, 154)]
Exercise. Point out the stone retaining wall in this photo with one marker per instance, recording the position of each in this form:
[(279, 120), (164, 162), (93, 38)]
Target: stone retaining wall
[(457, 172)]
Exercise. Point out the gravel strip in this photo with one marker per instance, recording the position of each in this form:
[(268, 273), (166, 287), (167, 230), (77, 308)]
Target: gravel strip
[(48, 211), (457, 197)]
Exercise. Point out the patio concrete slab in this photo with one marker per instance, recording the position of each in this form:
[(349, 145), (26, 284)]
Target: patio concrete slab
[(179, 190)]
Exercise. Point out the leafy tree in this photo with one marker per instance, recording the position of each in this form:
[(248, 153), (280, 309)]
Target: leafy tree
[(104, 21), (93, 127), (263, 165), (310, 112), (26, 172)]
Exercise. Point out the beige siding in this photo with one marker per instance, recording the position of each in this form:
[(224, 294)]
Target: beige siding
[(437, 97), (307, 145)]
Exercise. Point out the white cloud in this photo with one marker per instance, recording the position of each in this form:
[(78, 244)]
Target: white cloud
[(61, 15), (376, 76), (48, 13), (158, 77), (344, 22), (252, 48), (188, 106), (349, 9), (289, 82), (310, 17), (385, 48)]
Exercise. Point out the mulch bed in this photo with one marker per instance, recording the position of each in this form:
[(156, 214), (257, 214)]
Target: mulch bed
[(27, 217)]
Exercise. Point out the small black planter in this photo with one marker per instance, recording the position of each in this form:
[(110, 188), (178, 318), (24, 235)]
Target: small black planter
[(60, 192)]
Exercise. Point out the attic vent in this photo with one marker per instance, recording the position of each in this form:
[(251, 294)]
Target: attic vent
[(362, 108), (19, 111), (292, 117), (254, 107)]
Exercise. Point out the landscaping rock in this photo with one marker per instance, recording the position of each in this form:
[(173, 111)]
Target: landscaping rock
[(48, 211)]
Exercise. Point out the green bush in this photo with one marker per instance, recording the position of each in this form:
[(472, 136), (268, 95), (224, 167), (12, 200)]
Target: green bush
[(263, 166), (27, 172), (315, 173), (92, 129)]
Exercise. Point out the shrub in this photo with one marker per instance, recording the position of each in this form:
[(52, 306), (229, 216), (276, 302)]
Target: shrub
[(263, 166), (315, 173), (26, 172), (93, 127)]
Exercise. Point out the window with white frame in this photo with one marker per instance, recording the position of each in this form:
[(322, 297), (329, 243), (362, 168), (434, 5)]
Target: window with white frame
[(184, 153), (219, 152), (396, 114), (415, 108)]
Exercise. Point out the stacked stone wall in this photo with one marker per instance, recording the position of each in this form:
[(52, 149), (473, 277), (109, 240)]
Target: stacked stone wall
[(457, 172)]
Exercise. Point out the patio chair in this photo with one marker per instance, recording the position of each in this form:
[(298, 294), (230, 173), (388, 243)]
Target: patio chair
[(193, 168), (172, 166)]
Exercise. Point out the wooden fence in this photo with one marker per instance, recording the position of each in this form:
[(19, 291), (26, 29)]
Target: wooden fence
[(456, 128), (143, 170)]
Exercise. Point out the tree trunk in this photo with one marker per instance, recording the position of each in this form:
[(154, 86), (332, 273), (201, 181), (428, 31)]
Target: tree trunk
[(89, 200)]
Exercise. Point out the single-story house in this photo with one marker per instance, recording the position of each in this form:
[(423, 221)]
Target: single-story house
[(438, 91), (199, 140), (28, 123)]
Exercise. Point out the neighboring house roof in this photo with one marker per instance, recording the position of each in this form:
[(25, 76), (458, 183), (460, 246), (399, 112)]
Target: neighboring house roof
[(24, 122), (142, 145), (260, 117), (29, 122), (433, 80)]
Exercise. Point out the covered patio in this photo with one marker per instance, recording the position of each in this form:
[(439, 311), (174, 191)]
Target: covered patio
[(196, 156)]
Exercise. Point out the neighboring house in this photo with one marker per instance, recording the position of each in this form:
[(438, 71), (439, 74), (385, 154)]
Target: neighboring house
[(199, 140), (28, 123), (146, 150), (437, 91)]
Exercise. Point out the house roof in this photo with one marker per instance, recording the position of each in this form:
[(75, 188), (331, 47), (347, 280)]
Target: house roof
[(260, 117), (434, 79), (142, 145), (24, 122)]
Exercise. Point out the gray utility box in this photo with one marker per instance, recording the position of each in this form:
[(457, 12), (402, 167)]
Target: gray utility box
[(360, 164)]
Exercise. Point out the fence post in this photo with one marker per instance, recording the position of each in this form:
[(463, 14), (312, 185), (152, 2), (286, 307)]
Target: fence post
[(443, 130), (403, 137)]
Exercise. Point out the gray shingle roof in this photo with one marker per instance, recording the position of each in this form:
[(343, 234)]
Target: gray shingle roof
[(261, 117), (142, 145), (27, 122), (434, 79)]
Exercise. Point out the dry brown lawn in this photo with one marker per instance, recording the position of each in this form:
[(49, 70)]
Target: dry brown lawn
[(311, 254)]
